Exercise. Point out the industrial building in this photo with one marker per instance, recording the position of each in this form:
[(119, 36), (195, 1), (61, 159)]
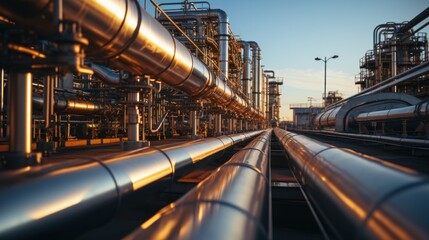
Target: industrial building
[(121, 124)]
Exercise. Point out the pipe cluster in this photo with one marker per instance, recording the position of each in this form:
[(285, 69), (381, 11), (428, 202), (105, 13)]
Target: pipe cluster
[(232, 203), (37, 200)]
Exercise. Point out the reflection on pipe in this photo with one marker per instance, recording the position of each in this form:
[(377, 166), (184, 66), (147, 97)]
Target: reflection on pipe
[(359, 196), (132, 40), (74, 106), (38, 200), (232, 203), (420, 110), (106, 74)]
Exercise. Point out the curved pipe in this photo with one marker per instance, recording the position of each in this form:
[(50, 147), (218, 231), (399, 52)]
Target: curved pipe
[(106, 74), (273, 74), (131, 39), (357, 195), (232, 203), (38, 200)]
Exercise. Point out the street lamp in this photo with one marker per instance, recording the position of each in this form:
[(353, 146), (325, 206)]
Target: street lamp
[(325, 61)]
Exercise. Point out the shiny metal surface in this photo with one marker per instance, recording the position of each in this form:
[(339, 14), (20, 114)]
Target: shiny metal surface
[(356, 195), (20, 112), (223, 37), (43, 199), (232, 203), (133, 116), (38, 200), (246, 68), (73, 106), (126, 35), (106, 74), (416, 111)]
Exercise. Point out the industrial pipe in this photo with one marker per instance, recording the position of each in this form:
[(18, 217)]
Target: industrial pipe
[(106, 74), (223, 36), (359, 196), (73, 106), (232, 203), (38, 200), (420, 110), (256, 68), (246, 68), (131, 39)]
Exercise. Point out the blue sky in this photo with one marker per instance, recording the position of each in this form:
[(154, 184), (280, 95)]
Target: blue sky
[(291, 33)]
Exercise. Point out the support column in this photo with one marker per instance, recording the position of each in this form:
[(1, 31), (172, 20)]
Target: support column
[(2, 131), (193, 124), (133, 120), (218, 124), (133, 117), (20, 114)]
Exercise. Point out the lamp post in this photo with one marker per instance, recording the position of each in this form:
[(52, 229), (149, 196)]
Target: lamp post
[(325, 61)]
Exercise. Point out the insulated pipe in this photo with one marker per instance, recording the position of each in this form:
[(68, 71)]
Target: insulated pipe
[(232, 203), (420, 111), (131, 39), (38, 200), (256, 61), (223, 36), (20, 112), (359, 196), (246, 67)]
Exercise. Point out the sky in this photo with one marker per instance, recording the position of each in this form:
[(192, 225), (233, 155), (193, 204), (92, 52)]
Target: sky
[(291, 33)]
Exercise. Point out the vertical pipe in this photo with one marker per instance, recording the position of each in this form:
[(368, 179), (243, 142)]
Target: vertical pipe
[(20, 112), (259, 79), (193, 122), (218, 124), (223, 43), (1, 102), (133, 116), (143, 118), (394, 63), (48, 104), (246, 68)]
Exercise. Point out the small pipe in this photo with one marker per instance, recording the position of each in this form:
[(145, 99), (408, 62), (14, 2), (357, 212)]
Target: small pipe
[(2, 113), (106, 74)]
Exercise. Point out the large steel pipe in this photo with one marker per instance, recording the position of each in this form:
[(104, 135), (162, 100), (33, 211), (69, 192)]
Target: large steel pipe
[(20, 113), (131, 39), (232, 203), (420, 111), (358, 196), (38, 200)]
